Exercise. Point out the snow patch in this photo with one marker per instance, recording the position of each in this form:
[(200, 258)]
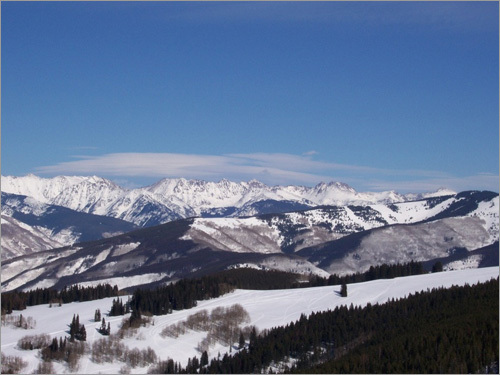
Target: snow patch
[(250, 235), (489, 212), (472, 261), (46, 283), (125, 248), (129, 281)]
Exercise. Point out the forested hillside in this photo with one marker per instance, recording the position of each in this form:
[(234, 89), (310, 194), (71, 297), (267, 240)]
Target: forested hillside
[(440, 331)]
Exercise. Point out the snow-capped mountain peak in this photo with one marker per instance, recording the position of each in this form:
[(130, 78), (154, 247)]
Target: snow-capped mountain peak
[(174, 198)]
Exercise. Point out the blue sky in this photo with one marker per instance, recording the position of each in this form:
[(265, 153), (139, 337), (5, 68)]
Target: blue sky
[(380, 95)]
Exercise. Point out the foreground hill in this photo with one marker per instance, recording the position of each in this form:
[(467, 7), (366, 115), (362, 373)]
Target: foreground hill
[(460, 231), (260, 305)]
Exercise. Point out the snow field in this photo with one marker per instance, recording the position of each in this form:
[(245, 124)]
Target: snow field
[(226, 234), (267, 309)]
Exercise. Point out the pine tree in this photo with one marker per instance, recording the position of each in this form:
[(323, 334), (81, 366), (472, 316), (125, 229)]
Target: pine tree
[(103, 330), (72, 329), (204, 359), (437, 267), (343, 290), (241, 341), (82, 333), (54, 346)]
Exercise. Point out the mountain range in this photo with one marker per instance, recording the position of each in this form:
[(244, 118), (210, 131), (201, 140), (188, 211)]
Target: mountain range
[(327, 229), (171, 199), (43, 213)]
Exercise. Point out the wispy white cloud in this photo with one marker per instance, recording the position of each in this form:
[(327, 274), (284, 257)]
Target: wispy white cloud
[(270, 168), (479, 181)]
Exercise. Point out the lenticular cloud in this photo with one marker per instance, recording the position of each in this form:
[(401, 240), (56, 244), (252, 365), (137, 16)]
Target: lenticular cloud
[(282, 167), (270, 168)]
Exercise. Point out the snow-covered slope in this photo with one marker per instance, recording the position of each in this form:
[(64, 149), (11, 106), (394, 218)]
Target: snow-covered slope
[(29, 225), (42, 189), (171, 199), (293, 231), (19, 238), (404, 243), (260, 305)]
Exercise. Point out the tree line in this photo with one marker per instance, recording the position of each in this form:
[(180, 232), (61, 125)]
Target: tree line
[(383, 271), (17, 300)]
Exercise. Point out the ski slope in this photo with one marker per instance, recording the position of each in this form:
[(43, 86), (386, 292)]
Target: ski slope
[(267, 309)]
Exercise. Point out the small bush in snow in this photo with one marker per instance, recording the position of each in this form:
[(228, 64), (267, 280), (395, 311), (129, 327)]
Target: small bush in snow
[(45, 368), (222, 325), (112, 349), (12, 364), (18, 321), (34, 342)]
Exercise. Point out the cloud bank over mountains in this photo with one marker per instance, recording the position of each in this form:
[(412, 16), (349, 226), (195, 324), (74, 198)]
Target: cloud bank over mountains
[(270, 168)]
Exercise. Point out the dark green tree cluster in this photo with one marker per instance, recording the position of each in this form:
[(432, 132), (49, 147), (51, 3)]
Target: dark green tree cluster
[(182, 295), (384, 271), (76, 330), (105, 330), (248, 278), (437, 267), (97, 315), (343, 290), (119, 308), (16, 300), (440, 331)]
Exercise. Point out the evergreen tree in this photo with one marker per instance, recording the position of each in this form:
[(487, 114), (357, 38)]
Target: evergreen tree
[(437, 267), (241, 341), (72, 329), (76, 330), (97, 315), (82, 333), (204, 359), (54, 346), (343, 290)]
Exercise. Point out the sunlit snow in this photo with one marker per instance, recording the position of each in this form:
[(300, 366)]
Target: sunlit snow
[(267, 309)]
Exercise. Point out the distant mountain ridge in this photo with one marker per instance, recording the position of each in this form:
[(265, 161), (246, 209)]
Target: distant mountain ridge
[(461, 231), (171, 199), (30, 226)]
